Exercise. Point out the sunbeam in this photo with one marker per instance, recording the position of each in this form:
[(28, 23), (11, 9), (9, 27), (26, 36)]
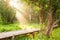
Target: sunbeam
[(19, 11)]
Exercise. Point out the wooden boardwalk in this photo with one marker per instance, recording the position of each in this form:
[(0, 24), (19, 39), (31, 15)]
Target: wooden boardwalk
[(18, 32)]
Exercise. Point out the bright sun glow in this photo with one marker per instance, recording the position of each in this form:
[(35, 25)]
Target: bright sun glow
[(19, 6), (15, 4)]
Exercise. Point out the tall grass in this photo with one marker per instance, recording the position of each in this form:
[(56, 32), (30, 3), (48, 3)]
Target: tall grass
[(9, 27)]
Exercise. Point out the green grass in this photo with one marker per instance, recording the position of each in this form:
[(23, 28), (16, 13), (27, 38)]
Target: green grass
[(9, 27), (36, 25), (55, 35)]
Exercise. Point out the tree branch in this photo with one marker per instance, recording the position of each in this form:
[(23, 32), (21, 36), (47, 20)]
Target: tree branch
[(56, 21), (55, 25)]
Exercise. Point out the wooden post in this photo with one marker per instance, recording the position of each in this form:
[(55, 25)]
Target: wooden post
[(12, 38)]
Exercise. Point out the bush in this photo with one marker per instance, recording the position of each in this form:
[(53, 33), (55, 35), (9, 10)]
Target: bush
[(7, 12)]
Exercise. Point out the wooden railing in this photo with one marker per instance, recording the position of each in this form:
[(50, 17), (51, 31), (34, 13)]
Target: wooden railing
[(12, 34)]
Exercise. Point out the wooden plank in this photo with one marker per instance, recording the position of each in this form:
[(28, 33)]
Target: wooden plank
[(18, 32)]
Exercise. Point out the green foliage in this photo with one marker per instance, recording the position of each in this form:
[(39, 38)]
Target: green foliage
[(54, 36), (7, 13), (56, 33), (10, 27), (24, 37)]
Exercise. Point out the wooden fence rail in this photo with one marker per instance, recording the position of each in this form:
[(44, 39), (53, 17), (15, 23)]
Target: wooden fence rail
[(16, 33)]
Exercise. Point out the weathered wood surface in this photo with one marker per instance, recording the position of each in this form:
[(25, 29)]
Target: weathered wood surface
[(18, 32)]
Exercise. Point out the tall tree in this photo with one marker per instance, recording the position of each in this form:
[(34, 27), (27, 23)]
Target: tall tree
[(52, 21)]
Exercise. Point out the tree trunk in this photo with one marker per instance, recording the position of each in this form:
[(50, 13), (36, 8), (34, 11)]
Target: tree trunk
[(50, 19), (49, 25), (41, 14)]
